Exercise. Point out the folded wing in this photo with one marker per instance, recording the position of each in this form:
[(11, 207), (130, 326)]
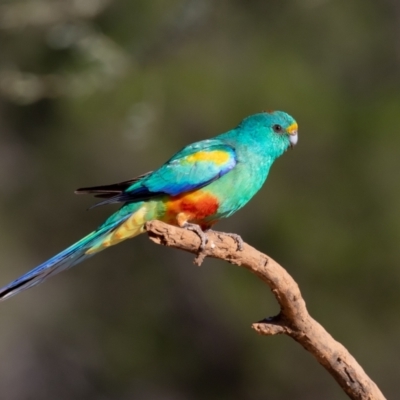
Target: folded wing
[(192, 168)]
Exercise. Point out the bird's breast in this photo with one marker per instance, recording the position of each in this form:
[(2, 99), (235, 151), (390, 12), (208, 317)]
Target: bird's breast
[(195, 206)]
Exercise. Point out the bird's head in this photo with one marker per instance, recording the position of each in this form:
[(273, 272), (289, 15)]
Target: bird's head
[(276, 128), (284, 126)]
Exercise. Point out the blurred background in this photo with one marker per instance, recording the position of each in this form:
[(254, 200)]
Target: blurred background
[(98, 91)]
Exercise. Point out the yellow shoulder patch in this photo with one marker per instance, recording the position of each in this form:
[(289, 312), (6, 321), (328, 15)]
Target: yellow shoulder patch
[(217, 156)]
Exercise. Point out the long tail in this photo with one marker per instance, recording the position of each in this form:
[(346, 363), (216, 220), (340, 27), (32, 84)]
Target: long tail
[(126, 223)]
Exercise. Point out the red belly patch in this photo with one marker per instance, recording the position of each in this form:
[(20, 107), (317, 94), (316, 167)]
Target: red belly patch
[(194, 205)]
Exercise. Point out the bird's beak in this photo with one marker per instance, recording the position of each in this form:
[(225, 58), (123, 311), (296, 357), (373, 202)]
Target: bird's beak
[(292, 131)]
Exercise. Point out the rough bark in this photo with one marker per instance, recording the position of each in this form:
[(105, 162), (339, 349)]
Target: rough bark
[(293, 319)]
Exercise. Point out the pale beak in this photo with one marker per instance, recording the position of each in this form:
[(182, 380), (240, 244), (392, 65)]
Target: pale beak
[(293, 136)]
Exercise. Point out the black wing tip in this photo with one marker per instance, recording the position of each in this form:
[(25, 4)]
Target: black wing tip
[(81, 191), (110, 190), (97, 193), (116, 193)]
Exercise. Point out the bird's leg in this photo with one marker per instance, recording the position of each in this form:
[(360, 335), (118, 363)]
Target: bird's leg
[(237, 238), (196, 228)]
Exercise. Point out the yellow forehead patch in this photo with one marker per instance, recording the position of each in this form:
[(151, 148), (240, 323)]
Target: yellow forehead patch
[(217, 156), (292, 129)]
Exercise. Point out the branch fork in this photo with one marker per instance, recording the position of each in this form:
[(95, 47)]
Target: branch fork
[(293, 319)]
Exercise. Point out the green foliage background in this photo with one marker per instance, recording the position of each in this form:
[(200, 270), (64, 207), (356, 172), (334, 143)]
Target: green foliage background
[(99, 91)]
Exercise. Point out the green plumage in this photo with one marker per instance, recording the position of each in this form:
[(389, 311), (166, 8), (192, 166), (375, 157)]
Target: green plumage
[(201, 184)]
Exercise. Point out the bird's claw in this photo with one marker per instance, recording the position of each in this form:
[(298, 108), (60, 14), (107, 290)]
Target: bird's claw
[(237, 238), (196, 229)]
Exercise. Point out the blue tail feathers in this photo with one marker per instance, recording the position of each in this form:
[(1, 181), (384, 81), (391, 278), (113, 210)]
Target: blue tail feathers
[(64, 260)]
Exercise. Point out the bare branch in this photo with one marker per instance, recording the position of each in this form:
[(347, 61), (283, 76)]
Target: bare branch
[(293, 319)]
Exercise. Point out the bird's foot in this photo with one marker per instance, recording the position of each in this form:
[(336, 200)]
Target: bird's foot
[(196, 229), (237, 238), (201, 255)]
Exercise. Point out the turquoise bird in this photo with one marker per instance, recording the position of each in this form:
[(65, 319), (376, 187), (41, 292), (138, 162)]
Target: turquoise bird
[(199, 185)]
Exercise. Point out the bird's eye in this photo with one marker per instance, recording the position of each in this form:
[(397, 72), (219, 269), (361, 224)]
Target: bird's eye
[(277, 128)]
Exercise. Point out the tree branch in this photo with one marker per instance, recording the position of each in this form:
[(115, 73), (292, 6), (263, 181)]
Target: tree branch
[(293, 319)]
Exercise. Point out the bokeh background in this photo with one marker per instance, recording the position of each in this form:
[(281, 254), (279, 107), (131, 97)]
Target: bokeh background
[(98, 91)]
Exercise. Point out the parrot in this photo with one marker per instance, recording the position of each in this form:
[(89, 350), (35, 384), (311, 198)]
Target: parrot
[(201, 184)]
